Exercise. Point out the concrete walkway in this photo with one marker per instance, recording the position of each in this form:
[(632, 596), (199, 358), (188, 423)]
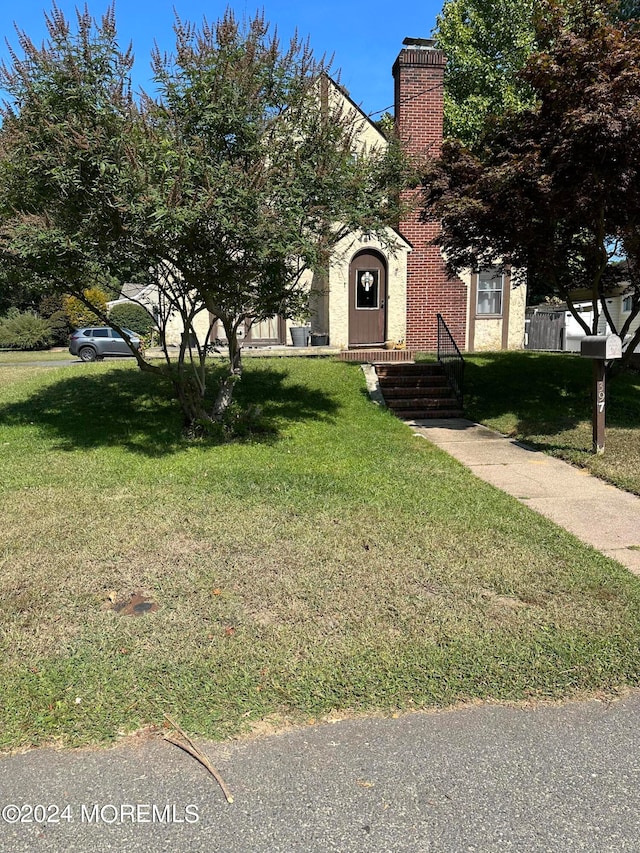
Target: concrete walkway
[(599, 514)]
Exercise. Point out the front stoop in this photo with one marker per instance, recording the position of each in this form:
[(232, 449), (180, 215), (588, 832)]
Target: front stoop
[(375, 356), (417, 391)]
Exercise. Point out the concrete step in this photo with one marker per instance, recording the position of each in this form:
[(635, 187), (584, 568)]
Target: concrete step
[(428, 403), (375, 356), (433, 381), (409, 369)]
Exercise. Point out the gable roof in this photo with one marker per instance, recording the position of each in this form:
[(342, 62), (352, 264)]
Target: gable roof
[(341, 90)]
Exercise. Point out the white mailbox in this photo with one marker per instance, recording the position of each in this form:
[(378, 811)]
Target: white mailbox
[(604, 347)]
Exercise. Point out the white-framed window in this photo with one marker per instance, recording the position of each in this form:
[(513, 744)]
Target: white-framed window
[(627, 304), (490, 292)]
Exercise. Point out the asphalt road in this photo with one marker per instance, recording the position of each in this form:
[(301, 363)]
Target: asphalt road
[(487, 778)]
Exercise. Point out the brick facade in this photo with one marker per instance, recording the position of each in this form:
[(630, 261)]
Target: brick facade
[(419, 93)]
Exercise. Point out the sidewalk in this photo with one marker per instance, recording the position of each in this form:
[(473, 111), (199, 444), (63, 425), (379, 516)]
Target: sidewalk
[(599, 514)]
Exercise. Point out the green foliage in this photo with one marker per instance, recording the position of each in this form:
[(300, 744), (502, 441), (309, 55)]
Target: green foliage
[(252, 152), (15, 293), (129, 315), (386, 124), (487, 43), (25, 330), (626, 10), (233, 181), (60, 328), (50, 304), (67, 130), (78, 311), (51, 307), (555, 189)]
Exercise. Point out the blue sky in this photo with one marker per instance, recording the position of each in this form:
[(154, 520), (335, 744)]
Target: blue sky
[(364, 37)]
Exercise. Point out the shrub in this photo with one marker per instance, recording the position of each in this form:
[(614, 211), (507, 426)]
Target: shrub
[(78, 313), (130, 315), (51, 308), (60, 328), (50, 304), (25, 330)]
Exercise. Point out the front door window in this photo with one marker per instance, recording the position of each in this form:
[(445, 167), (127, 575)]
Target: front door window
[(367, 289)]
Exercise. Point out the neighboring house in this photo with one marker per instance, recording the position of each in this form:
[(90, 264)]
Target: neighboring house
[(619, 306), (146, 296), (553, 327), (392, 290), (152, 298)]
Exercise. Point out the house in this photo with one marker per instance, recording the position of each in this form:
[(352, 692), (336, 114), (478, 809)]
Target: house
[(554, 327), (392, 290)]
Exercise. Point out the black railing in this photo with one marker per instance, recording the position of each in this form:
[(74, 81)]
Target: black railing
[(450, 357)]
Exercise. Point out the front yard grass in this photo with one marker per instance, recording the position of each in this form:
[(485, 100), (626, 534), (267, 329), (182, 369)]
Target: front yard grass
[(544, 399), (335, 563), (8, 357)]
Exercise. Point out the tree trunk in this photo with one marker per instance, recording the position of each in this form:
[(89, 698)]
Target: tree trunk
[(225, 394), (189, 395)]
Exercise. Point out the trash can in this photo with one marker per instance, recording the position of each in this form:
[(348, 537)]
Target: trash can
[(299, 335)]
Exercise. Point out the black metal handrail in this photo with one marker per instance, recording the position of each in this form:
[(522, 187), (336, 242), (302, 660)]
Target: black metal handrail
[(450, 357)]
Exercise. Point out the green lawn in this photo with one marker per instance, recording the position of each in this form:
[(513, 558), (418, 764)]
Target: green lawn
[(8, 357), (545, 400), (338, 562)]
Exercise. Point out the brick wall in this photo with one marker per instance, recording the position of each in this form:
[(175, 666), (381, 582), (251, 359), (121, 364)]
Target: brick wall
[(419, 85)]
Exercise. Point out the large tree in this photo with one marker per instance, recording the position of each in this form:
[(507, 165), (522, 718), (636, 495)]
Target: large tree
[(555, 189), (253, 173), (236, 177), (488, 43), (67, 145)]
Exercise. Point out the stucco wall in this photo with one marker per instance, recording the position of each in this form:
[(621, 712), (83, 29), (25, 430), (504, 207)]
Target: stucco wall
[(366, 136), (393, 249), (465, 278), (517, 306), (487, 333), (395, 256), (175, 328)]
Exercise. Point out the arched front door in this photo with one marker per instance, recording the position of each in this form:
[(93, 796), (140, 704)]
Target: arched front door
[(367, 300)]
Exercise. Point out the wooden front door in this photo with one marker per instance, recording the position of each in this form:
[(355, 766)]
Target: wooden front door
[(367, 300)]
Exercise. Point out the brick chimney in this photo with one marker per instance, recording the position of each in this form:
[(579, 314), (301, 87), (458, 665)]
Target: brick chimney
[(418, 73)]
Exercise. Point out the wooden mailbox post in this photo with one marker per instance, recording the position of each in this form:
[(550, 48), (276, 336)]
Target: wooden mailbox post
[(600, 348)]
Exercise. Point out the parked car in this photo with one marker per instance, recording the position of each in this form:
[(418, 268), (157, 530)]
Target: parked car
[(94, 343)]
